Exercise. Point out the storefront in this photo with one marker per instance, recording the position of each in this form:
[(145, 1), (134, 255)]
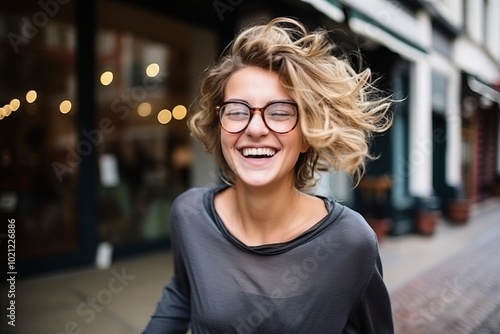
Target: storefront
[(94, 144), (480, 138)]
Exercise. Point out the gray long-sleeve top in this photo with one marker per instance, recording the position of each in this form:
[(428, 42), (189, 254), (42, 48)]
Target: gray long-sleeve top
[(327, 280)]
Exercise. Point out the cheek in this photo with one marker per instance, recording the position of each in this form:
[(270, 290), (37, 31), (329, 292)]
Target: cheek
[(227, 143), (300, 143)]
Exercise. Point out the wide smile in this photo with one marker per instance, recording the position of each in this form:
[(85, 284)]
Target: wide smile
[(258, 152)]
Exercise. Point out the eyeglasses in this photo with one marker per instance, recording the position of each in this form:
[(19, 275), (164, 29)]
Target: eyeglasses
[(279, 116)]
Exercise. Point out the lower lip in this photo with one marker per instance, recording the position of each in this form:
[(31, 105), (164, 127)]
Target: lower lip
[(258, 161)]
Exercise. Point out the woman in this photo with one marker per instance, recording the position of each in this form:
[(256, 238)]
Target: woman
[(260, 254)]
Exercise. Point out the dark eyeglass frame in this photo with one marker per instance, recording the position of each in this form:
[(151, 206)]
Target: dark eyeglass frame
[(252, 113)]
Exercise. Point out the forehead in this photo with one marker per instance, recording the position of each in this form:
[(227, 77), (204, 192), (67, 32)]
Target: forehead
[(255, 85)]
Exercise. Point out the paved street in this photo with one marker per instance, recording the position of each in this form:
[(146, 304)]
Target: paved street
[(447, 283), (460, 295)]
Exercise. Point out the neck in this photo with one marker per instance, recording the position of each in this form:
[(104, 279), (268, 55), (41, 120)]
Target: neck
[(264, 213)]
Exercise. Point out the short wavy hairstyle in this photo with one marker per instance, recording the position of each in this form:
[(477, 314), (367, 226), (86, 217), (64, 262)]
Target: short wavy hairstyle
[(339, 108)]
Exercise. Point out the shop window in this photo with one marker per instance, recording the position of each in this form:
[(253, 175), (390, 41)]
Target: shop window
[(148, 77), (37, 129)]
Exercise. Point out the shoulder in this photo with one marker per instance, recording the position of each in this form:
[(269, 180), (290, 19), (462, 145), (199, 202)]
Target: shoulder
[(353, 231), (189, 203), (354, 220), (192, 194), (356, 242)]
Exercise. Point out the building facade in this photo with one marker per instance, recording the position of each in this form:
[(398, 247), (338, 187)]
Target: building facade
[(95, 94)]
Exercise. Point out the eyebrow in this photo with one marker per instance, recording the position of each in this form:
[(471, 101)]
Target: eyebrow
[(269, 102)]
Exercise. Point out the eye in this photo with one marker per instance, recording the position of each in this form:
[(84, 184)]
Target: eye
[(235, 112), (281, 112)]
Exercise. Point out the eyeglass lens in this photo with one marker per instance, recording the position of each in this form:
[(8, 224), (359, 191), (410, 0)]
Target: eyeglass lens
[(280, 117)]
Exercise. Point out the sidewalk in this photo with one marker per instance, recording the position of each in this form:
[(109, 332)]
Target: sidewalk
[(405, 256), (460, 295), (457, 295), (121, 299)]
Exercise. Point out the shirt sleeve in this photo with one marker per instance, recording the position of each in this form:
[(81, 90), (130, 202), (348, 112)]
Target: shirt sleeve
[(373, 313), (172, 314), (173, 310)]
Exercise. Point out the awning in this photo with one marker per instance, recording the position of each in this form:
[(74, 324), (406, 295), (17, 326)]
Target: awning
[(405, 43), (483, 89), (365, 26), (331, 8)]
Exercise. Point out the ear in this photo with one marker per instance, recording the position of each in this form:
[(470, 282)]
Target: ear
[(304, 146)]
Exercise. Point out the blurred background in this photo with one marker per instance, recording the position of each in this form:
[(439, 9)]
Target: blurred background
[(94, 97)]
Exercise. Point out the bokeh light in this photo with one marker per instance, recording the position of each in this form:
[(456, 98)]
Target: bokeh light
[(106, 78), (164, 116), (144, 109), (15, 104), (152, 70), (31, 96), (65, 107), (179, 112)]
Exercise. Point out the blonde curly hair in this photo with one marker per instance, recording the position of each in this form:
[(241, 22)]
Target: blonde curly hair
[(339, 109)]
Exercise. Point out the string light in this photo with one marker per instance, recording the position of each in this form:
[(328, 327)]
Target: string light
[(144, 109), (65, 107), (15, 104), (31, 96), (106, 78), (179, 112), (152, 70), (164, 116)]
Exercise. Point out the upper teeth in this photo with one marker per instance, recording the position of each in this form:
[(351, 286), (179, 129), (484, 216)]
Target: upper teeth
[(258, 151)]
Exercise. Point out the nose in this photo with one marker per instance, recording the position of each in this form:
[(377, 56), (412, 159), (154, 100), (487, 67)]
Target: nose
[(257, 127)]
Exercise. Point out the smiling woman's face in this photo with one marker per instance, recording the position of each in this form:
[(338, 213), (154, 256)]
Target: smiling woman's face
[(257, 156)]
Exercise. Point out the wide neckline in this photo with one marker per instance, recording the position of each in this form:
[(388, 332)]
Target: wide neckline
[(333, 208)]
